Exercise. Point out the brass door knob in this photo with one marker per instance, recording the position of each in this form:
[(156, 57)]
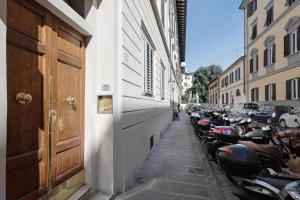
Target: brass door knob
[(23, 98), (71, 100)]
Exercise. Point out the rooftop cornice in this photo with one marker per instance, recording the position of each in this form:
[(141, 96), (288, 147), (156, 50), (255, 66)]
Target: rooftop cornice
[(243, 4), (181, 19), (240, 59)]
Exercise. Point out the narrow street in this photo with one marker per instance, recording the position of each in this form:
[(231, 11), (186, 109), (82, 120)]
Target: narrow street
[(177, 168)]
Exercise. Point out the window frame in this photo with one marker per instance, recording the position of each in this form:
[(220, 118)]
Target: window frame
[(163, 81), (254, 33), (238, 93), (148, 91), (223, 99), (294, 89), (270, 56), (162, 10), (227, 98), (269, 9), (254, 63), (293, 46), (270, 92), (255, 93), (289, 2)]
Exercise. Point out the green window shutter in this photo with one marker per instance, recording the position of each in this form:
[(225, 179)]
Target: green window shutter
[(288, 89), (286, 45), (266, 57), (298, 35), (274, 53), (298, 88), (251, 65), (257, 63), (266, 92), (274, 92)]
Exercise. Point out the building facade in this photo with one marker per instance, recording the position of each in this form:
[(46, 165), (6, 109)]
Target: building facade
[(272, 50), (96, 80), (186, 81), (232, 84), (214, 91)]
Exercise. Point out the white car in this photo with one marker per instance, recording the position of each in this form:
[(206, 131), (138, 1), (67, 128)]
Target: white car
[(288, 119), (244, 108)]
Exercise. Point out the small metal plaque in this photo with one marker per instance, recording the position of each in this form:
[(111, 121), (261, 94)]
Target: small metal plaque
[(105, 104), (105, 87)]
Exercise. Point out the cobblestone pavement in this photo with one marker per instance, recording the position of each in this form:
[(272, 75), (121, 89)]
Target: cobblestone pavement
[(178, 169)]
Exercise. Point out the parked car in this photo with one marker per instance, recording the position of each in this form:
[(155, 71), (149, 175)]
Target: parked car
[(194, 109), (221, 107), (188, 106), (244, 108), (271, 113), (288, 119)]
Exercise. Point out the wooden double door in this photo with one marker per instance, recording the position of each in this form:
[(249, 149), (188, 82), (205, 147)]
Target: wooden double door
[(45, 97)]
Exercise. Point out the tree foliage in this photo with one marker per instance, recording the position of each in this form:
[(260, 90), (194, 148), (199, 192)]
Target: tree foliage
[(202, 77)]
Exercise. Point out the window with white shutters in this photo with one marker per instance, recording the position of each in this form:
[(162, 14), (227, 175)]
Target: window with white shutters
[(149, 54), (162, 80)]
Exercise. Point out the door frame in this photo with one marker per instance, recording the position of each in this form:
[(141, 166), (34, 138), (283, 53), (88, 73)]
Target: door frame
[(54, 90), (3, 100), (76, 180)]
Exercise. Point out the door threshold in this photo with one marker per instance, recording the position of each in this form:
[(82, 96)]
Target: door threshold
[(99, 196), (81, 194)]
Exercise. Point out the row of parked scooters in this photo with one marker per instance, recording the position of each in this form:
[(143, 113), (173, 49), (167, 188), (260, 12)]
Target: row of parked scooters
[(261, 160)]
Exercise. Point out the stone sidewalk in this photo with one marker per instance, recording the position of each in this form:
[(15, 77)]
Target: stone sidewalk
[(177, 169)]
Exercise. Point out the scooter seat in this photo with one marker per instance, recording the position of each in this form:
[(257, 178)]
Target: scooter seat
[(277, 183), (287, 174), (264, 148)]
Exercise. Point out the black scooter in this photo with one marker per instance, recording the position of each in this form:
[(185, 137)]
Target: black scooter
[(230, 135), (261, 169)]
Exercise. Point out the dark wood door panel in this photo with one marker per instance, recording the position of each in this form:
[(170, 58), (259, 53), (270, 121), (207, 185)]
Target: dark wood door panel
[(27, 18), (69, 86), (45, 60), (28, 69), (24, 126), (25, 183), (68, 101)]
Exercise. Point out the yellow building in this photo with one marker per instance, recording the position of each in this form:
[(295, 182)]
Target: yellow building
[(214, 91), (272, 50)]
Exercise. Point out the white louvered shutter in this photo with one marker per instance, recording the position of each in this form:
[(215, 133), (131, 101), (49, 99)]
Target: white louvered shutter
[(163, 75), (149, 70)]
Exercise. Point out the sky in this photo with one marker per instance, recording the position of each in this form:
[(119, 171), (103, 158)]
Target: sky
[(214, 33)]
